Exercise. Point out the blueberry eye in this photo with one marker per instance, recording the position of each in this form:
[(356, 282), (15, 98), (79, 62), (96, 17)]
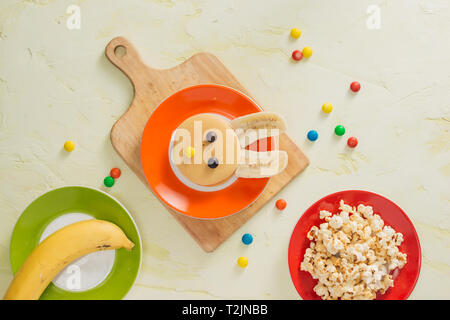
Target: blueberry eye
[(213, 163), (211, 136)]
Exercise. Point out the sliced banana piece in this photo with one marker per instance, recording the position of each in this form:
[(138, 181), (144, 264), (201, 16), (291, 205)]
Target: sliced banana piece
[(255, 126), (256, 164)]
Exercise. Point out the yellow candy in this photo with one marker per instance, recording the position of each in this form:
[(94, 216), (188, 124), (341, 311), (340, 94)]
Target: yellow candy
[(69, 146), (189, 152), (295, 33), (327, 107), (307, 52), (242, 262)]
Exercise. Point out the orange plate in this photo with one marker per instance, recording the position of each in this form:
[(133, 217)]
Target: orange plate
[(155, 152)]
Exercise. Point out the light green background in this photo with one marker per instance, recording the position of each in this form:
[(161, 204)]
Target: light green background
[(56, 84)]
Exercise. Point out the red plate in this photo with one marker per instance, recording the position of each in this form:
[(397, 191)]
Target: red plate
[(155, 152), (392, 215)]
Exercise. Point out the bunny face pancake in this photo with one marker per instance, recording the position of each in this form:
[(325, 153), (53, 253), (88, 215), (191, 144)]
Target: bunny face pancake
[(206, 149), (209, 149)]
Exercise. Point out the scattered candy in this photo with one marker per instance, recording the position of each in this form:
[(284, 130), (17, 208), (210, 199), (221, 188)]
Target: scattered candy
[(211, 136), (297, 55), (109, 181), (242, 262), (280, 204), (352, 142), (307, 52), (296, 33), (313, 135), (355, 86), (247, 239), (189, 152), (327, 107), (69, 146), (115, 173), (339, 130), (213, 163)]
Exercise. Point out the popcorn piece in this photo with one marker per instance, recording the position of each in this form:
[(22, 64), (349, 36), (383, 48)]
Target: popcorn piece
[(366, 211), (312, 234), (352, 254), (367, 232), (398, 239), (345, 207), (376, 223), (336, 222), (324, 214), (344, 216)]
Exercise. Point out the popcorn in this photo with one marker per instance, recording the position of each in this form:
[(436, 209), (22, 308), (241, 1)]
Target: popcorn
[(376, 223), (352, 254), (336, 222), (324, 214)]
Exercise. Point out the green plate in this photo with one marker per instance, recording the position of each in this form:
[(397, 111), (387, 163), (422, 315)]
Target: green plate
[(38, 215)]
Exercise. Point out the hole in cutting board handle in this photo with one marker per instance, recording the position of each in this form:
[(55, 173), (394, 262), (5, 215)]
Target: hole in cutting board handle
[(120, 51)]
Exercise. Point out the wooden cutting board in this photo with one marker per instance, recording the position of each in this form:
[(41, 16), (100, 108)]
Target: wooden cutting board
[(151, 87)]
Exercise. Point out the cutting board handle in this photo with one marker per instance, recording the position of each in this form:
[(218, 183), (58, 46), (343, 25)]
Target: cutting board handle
[(125, 57)]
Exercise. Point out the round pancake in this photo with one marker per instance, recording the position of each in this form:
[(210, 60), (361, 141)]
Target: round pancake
[(194, 166)]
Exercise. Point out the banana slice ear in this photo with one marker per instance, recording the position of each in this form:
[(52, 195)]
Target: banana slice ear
[(256, 164), (256, 126)]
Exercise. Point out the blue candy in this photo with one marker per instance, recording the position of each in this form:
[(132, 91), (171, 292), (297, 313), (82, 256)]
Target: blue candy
[(313, 135), (247, 238)]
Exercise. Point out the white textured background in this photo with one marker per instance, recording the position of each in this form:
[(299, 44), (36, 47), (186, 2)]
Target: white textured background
[(56, 84)]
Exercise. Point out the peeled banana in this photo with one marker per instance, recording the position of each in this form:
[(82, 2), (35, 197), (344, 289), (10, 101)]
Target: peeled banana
[(257, 164), (60, 249), (255, 126)]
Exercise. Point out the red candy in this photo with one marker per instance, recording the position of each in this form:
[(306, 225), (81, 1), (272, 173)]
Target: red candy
[(355, 86), (280, 204), (352, 142), (297, 55), (115, 173)]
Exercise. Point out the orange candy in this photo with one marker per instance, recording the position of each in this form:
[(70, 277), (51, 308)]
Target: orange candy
[(281, 204), (115, 173)]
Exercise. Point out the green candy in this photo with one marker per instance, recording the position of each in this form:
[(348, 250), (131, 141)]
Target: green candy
[(109, 181), (339, 130)]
